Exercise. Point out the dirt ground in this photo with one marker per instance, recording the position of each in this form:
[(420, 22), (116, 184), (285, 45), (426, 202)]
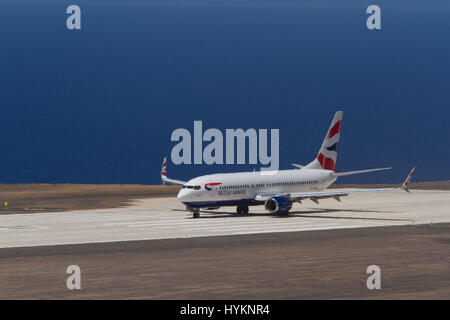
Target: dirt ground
[(31, 198), (324, 264)]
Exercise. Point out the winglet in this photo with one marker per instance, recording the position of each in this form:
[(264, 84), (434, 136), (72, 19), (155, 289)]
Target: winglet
[(408, 178), (164, 170)]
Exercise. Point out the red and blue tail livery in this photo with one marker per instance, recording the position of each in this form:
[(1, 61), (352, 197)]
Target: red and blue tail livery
[(326, 159)]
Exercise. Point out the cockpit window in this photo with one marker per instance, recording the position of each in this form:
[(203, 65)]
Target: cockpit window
[(191, 187)]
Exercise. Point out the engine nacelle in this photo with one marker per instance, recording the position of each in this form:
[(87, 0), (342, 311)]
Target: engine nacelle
[(278, 205)]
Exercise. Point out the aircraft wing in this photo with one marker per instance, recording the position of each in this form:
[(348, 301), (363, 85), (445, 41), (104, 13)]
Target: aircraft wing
[(336, 194), (265, 196), (316, 195)]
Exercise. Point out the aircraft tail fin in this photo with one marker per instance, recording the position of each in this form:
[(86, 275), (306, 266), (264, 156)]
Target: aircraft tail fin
[(326, 158)]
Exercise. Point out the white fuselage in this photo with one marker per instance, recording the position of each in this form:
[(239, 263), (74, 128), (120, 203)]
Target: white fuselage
[(233, 188)]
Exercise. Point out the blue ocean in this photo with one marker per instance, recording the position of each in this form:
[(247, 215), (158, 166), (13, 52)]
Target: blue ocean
[(98, 105)]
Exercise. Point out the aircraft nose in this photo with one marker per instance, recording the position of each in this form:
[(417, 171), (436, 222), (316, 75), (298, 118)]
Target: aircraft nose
[(182, 194)]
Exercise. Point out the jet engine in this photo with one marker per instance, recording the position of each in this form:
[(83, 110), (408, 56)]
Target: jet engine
[(278, 205)]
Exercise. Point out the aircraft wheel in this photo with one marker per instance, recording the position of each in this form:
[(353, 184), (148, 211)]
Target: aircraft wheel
[(196, 213), (242, 210)]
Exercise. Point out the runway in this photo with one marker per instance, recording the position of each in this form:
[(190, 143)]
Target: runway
[(165, 218)]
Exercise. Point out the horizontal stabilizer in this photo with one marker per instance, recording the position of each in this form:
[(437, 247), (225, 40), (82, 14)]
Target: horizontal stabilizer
[(166, 179), (349, 173)]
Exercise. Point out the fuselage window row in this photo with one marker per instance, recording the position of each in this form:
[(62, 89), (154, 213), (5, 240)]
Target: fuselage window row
[(265, 185)]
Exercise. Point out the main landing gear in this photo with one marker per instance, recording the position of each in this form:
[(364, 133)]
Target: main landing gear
[(242, 209)]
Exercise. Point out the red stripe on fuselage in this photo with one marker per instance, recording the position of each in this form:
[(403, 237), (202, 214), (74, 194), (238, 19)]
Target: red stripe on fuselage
[(212, 184)]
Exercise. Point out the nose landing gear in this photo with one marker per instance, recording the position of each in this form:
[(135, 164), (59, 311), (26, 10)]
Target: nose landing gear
[(195, 213)]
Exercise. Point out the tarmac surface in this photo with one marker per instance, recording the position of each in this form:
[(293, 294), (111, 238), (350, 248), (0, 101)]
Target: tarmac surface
[(166, 218)]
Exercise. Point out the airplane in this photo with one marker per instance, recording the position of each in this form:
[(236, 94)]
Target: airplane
[(276, 190)]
